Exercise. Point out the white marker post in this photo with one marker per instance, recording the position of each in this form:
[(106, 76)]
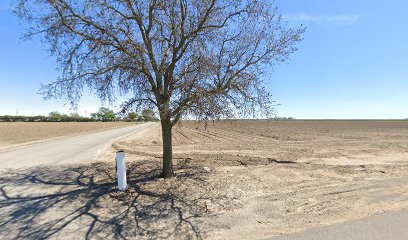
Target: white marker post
[(121, 170)]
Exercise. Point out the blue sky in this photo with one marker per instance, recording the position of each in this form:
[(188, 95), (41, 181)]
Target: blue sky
[(352, 63)]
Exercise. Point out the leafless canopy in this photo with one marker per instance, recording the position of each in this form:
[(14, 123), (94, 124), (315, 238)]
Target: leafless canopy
[(200, 57)]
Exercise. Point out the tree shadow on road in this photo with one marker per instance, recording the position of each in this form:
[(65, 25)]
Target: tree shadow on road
[(82, 202)]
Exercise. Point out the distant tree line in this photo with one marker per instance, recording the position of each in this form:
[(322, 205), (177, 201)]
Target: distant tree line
[(282, 118), (102, 115)]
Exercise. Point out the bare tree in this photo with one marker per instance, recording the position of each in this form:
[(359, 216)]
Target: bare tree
[(183, 57)]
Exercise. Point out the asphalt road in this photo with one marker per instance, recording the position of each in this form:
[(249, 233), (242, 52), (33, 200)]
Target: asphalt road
[(387, 226), (76, 149)]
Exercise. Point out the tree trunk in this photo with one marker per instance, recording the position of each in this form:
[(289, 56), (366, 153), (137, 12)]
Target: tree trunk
[(167, 171)]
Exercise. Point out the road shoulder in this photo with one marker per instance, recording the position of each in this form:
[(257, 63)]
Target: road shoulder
[(386, 226)]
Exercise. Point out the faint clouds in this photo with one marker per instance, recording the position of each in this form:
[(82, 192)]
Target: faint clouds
[(341, 19)]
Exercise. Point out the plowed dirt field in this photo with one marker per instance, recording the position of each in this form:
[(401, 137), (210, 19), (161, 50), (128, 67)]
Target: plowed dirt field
[(287, 176), (18, 133), (234, 180)]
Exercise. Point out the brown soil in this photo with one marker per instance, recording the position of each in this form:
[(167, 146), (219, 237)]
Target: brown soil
[(287, 176), (15, 133), (250, 142), (81, 202), (235, 180)]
